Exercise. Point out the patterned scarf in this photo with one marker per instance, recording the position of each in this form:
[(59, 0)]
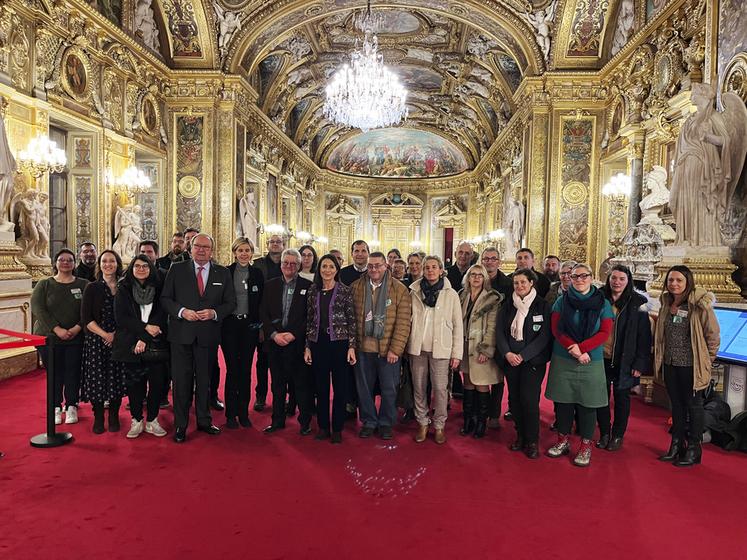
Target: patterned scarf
[(374, 318)]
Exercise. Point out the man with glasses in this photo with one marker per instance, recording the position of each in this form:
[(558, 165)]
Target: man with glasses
[(491, 260), (352, 272), (283, 316), (175, 254), (383, 312), (525, 259), (198, 294), (561, 286), (86, 269)]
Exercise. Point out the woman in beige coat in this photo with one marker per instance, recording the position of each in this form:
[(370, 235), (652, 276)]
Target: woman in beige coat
[(435, 344), (480, 305)]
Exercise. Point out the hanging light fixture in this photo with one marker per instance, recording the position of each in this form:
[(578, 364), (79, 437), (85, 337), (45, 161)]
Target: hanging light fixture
[(365, 94)]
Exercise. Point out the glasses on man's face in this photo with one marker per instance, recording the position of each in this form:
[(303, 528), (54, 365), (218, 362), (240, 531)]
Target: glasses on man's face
[(375, 266), (206, 247), (289, 263), (489, 259), (582, 276), (276, 242)]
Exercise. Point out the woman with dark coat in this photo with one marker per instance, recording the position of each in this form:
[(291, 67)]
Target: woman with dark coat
[(330, 344), (627, 353), (140, 342), (240, 333), (103, 378), (523, 342)]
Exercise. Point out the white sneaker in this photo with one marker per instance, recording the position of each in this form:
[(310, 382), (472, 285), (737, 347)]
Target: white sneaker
[(71, 415), (136, 428), (153, 427), (57, 415)]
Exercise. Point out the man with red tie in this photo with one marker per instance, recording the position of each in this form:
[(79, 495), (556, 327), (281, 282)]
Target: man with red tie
[(197, 294)]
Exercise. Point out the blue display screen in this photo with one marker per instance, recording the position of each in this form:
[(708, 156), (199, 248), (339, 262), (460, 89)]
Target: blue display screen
[(733, 324)]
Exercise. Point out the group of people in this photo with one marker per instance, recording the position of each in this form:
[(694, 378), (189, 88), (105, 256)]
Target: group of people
[(382, 325)]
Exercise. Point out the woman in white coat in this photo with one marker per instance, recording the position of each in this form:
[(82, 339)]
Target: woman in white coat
[(435, 344)]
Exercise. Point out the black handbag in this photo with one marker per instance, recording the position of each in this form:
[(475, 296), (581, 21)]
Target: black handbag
[(155, 352)]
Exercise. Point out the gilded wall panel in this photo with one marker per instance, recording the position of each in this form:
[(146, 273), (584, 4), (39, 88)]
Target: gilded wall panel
[(189, 134), (536, 214)]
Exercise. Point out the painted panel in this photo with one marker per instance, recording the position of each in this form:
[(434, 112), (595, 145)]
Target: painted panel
[(397, 152), (732, 31), (395, 22), (653, 7), (415, 77), (189, 171), (587, 28), (183, 27)]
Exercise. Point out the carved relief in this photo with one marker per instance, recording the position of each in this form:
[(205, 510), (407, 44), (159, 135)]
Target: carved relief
[(19, 56)]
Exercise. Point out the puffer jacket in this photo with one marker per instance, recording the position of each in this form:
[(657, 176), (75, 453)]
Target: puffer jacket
[(705, 335), (448, 337)]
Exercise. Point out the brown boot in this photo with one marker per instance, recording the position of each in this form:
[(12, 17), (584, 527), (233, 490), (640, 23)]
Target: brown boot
[(440, 436), (422, 433)]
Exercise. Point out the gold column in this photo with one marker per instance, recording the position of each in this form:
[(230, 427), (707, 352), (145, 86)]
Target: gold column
[(224, 186), (536, 219)]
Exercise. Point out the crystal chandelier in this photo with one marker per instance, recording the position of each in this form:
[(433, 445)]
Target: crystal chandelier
[(133, 181), (42, 155), (366, 94)]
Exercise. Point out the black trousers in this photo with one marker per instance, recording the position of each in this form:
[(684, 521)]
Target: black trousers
[(287, 364), (138, 378), (524, 388), (238, 341), (496, 399), (621, 406), (67, 362), (585, 417), (685, 403), (330, 357), (190, 369), (263, 361)]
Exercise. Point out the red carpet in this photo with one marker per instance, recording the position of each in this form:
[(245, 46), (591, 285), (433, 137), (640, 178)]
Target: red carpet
[(244, 494)]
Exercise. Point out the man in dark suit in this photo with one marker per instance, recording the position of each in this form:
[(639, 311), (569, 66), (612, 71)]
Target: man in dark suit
[(283, 315), (198, 294), (525, 259), (175, 255), (359, 250)]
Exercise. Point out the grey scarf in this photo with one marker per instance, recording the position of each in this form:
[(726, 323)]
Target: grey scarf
[(143, 295), (374, 318)]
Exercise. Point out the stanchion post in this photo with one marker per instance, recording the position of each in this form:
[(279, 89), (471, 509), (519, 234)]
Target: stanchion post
[(51, 439)]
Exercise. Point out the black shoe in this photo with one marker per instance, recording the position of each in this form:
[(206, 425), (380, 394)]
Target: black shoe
[(290, 409), (210, 430), (691, 457), (259, 405), (531, 451), (272, 428), (305, 430), (604, 441), (164, 404), (180, 435), (113, 411), (615, 444), (408, 416), (232, 424), (366, 432), (98, 418), (673, 453), (322, 435), (517, 445), (385, 432), (336, 437), (508, 417), (217, 404), (245, 422)]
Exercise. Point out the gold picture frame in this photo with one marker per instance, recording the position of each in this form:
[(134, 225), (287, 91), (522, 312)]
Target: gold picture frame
[(76, 74), (149, 115)]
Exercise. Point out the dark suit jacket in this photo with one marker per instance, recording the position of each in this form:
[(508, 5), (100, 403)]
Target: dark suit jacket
[(180, 290), (271, 311), (537, 344), (130, 327), (255, 297)]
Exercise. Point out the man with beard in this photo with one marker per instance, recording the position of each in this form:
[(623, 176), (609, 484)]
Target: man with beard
[(551, 268), (86, 269), (175, 254)]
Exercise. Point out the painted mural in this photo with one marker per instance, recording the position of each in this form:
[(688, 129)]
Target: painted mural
[(575, 181), (110, 9), (588, 24), (511, 71), (395, 22), (416, 77), (732, 38), (398, 153), (189, 172), (183, 26), (653, 7)]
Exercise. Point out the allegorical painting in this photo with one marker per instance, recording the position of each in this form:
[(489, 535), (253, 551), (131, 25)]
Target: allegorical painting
[(415, 77), (397, 153), (653, 7), (183, 26), (732, 39), (189, 152), (395, 22), (111, 9)]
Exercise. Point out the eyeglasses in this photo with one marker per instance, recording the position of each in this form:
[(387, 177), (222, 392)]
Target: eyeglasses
[(287, 263), (307, 255), (376, 266), (202, 246), (582, 276), (490, 259), (565, 274), (141, 267), (476, 275)]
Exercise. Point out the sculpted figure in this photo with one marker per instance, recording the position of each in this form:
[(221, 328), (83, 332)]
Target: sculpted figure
[(658, 195), (145, 23), (541, 20), (709, 160), (7, 175), (24, 211), (228, 24), (128, 227), (513, 224), (248, 216), (41, 221)]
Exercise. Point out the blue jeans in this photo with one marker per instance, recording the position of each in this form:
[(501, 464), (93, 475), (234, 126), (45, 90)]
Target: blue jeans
[(372, 367)]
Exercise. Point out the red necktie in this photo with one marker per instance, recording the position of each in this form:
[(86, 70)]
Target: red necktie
[(200, 282)]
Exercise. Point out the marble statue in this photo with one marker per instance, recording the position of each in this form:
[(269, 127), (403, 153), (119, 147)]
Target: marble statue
[(145, 23), (248, 216), (709, 160), (625, 23), (7, 176), (128, 226), (541, 20), (228, 24), (658, 195), (41, 219), (513, 223), (29, 221)]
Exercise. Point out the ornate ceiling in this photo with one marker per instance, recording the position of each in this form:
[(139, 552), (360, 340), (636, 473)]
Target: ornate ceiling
[(462, 60)]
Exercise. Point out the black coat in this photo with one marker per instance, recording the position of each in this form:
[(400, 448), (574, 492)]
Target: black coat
[(503, 285), (130, 327), (271, 311), (180, 290), (256, 279), (536, 347), (631, 346), (455, 276), (349, 274)]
